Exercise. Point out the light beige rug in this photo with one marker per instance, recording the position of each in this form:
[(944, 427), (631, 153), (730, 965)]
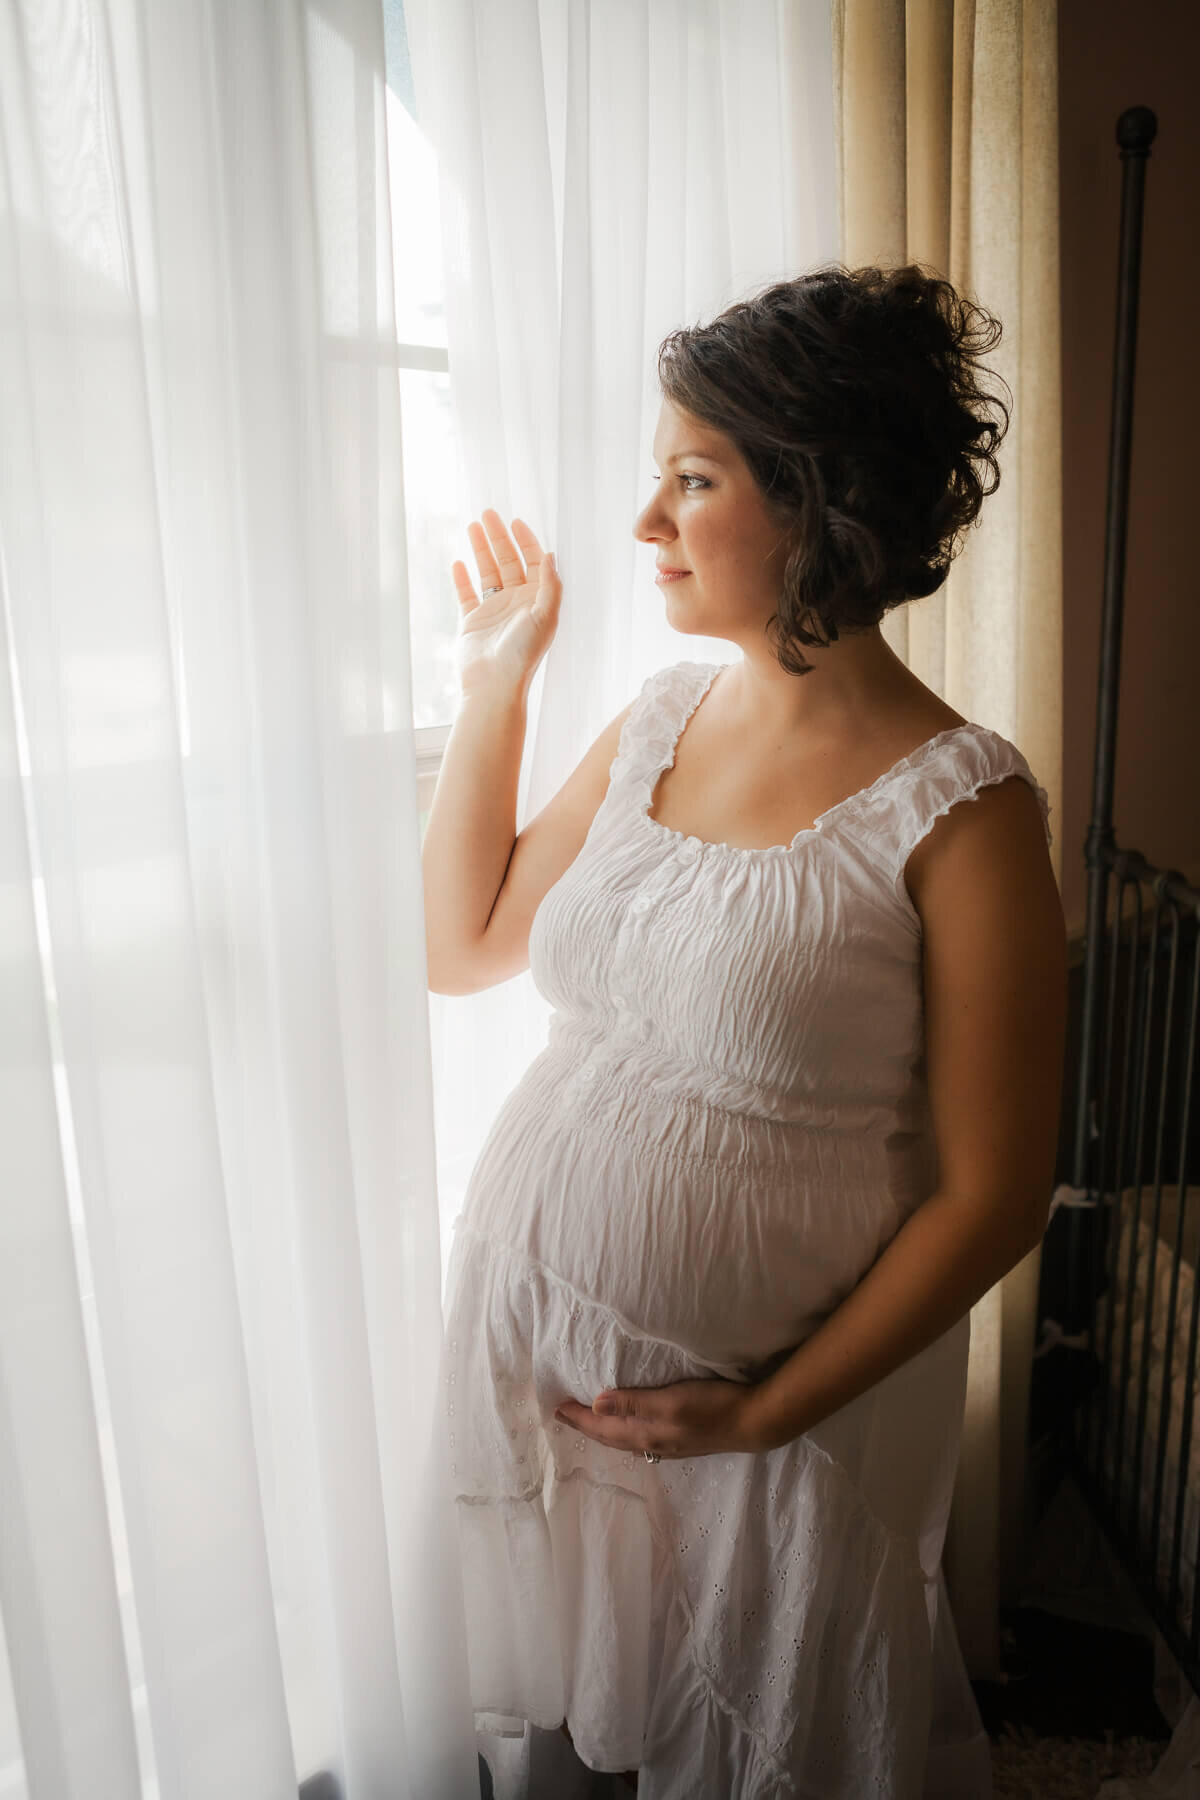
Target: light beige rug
[(1025, 1767)]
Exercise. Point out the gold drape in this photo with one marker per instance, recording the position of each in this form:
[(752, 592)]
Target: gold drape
[(947, 126)]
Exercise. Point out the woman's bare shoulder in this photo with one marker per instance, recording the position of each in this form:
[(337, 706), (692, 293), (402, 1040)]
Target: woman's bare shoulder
[(996, 841)]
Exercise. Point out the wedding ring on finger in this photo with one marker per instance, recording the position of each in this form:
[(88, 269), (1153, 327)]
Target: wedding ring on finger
[(651, 1456), (495, 590)]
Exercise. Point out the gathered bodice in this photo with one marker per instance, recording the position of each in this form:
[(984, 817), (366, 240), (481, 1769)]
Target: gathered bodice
[(780, 982)]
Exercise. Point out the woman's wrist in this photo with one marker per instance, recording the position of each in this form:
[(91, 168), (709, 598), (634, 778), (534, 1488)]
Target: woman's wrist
[(761, 1424)]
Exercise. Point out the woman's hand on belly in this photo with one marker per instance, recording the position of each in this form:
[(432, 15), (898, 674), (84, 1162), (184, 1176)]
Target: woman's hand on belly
[(686, 1418)]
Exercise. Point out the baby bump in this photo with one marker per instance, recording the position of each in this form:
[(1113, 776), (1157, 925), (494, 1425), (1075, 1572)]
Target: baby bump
[(727, 1235)]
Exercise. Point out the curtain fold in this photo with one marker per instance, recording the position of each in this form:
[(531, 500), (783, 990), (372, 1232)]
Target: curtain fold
[(226, 1555), (608, 173), (948, 155)]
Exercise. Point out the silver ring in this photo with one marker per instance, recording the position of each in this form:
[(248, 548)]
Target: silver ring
[(651, 1456), (488, 591)]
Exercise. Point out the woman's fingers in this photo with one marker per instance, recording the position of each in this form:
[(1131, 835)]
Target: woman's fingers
[(500, 565), (512, 569), (489, 572), (531, 550), (463, 586)]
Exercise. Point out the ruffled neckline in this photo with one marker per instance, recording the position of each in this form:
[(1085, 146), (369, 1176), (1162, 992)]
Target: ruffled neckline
[(663, 736)]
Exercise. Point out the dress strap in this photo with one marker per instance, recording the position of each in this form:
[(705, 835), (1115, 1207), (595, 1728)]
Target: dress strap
[(664, 704), (959, 765)]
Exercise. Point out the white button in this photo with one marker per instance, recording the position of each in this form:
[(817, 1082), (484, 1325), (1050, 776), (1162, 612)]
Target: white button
[(620, 1000), (642, 904), (688, 850), (587, 1074)]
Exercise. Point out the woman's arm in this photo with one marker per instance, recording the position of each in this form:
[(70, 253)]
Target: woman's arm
[(995, 999), (482, 882)]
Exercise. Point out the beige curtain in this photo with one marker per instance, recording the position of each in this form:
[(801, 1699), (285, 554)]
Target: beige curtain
[(947, 131)]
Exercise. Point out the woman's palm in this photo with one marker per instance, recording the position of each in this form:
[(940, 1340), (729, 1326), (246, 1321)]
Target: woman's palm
[(504, 635)]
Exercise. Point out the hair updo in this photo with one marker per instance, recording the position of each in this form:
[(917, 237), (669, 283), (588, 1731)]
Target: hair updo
[(857, 398)]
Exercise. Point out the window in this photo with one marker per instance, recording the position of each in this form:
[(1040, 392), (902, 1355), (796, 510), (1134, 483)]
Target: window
[(433, 506)]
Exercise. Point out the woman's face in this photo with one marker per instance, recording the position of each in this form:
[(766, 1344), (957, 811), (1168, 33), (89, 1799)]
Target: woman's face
[(708, 518)]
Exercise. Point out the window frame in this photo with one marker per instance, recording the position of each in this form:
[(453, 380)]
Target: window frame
[(430, 740)]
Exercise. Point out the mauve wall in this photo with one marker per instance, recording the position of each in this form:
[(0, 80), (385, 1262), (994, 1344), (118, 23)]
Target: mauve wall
[(1114, 54)]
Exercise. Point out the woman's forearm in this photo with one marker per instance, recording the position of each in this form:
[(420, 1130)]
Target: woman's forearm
[(945, 1256), (472, 826)]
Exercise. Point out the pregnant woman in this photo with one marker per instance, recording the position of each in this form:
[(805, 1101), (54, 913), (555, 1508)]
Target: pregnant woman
[(708, 1300)]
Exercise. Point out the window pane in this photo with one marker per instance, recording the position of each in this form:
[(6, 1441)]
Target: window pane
[(416, 229), (397, 62), (433, 510), (436, 536)]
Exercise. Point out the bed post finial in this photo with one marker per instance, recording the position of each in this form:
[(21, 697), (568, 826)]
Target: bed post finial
[(1137, 128)]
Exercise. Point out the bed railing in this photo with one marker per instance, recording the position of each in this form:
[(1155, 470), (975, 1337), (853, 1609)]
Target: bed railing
[(1133, 1437)]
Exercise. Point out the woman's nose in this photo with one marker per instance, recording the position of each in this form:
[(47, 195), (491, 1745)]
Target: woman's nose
[(650, 523)]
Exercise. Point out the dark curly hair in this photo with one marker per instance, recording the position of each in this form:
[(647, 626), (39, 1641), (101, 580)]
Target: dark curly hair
[(856, 397)]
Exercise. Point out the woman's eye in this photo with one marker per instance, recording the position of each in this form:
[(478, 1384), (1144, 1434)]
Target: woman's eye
[(686, 478)]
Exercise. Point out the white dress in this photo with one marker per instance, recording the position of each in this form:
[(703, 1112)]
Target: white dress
[(726, 1128)]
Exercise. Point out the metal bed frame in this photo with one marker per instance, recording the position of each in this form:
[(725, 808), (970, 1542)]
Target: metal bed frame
[(1134, 1112)]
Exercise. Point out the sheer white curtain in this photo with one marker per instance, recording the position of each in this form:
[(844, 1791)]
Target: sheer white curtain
[(608, 172), (226, 1559)]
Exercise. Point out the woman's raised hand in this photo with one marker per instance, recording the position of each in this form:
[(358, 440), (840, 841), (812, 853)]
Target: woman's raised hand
[(502, 638)]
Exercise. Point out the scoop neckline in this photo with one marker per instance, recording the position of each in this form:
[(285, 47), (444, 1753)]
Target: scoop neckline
[(809, 831)]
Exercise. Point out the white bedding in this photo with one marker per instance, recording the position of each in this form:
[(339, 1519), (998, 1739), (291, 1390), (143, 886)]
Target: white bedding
[(1159, 1353)]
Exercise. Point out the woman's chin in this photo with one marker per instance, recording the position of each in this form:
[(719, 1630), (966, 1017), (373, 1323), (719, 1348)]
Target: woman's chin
[(675, 606), (692, 620)]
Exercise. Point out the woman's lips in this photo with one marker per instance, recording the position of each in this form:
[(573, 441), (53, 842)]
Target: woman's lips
[(665, 575)]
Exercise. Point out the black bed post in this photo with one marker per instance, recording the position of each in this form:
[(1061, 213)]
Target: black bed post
[(1136, 129)]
